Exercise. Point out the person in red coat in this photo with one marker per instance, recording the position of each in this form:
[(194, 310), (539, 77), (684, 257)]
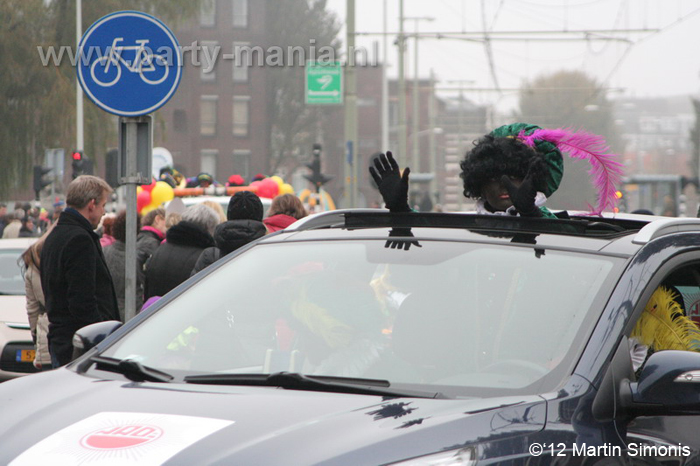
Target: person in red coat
[(285, 210)]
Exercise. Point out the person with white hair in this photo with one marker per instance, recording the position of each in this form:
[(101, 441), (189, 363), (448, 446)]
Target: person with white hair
[(173, 260)]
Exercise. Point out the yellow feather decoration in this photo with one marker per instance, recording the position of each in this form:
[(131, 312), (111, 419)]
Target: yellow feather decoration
[(663, 326)]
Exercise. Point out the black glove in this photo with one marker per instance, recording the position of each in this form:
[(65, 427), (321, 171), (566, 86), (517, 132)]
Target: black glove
[(392, 186), (523, 196), (401, 243)]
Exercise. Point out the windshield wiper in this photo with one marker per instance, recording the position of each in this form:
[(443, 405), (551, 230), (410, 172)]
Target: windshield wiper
[(132, 370), (296, 381)]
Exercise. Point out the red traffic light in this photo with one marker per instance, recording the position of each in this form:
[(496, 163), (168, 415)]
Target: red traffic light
[(77, 155)]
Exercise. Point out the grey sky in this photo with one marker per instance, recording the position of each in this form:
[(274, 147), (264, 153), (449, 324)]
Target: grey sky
[(652, 64)]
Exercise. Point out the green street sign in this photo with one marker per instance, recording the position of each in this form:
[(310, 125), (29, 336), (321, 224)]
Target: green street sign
[(324, 83)]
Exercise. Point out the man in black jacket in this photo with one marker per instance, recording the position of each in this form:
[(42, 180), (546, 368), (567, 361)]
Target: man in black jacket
[(74, 275)]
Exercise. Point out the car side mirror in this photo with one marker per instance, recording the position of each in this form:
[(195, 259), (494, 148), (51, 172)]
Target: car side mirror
[(91, 335), (668, 384)]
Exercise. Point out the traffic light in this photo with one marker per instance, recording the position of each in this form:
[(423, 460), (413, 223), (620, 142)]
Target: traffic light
[(39, 181), (316, 177), (78, 163)]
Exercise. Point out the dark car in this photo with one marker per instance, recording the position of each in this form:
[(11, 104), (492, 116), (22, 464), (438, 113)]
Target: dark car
[(368, 338)]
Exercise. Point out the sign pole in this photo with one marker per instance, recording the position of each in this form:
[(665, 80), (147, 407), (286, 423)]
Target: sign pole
[(131, 222)]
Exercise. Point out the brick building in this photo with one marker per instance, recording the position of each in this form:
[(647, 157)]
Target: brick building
[(217, 121)]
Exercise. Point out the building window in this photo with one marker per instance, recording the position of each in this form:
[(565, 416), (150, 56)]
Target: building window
[(241, 115), (207, 13), (208, 161), (207, 64), (240, 62), (241, 163), (240, 13), (180, 121), (207, 115)]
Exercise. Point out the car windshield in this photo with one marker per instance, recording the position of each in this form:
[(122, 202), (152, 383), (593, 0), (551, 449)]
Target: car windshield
[(448, 314), (11, 280)]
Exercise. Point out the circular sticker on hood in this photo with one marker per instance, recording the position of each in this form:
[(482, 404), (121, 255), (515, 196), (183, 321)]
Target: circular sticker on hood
[(121, 437)]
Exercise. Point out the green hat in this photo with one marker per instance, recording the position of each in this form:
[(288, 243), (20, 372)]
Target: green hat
[(552, 156)]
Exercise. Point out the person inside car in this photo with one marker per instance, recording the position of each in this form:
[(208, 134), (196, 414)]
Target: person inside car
[(663, 325), (513, 170)]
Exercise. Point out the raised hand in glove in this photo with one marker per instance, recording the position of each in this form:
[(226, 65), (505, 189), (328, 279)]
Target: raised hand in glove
[(523, 196), (392, 186), (404, 244)]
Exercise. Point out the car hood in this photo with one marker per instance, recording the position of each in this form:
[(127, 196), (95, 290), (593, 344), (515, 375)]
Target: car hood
[(61, 415)]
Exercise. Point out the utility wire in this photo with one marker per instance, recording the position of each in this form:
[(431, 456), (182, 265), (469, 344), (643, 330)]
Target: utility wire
[(488, 49)]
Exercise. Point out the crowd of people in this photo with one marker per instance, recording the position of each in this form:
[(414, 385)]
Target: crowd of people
[(75, 273), (25, 221)]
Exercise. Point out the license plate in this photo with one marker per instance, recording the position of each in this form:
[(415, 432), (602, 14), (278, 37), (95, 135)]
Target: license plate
[(25, 355)]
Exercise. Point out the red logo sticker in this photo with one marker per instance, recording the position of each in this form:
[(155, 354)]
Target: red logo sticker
[(121, 437)]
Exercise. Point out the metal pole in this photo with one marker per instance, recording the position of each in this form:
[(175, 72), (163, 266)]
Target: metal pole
[(402, 93), (79, 141), (352, 161), (415, 111), (130, 260), (433, 146), (459, 132), (385, 88)]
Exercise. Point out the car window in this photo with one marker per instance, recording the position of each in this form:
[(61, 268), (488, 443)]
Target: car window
[(449, 314), (11, 280), (670, 318)]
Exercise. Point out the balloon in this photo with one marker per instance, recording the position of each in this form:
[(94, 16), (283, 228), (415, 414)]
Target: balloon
[(277, 180), (286, 188), (162, 192), (149, 187), (142, 200), (147, 209), (255, 184), (268, 188)]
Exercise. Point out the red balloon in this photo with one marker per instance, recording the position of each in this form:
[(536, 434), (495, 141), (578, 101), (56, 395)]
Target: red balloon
[(255, 184), (149, 187), (268, 188), (142, 200)]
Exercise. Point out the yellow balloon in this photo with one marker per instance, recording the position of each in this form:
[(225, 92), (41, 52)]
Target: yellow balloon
[(278, 180), (286, 188), (147, 209), (162, 192), (138, 190)]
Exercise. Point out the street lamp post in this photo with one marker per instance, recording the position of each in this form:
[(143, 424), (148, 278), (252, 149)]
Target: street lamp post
[(415, 110), (79, 90), (429, 177)]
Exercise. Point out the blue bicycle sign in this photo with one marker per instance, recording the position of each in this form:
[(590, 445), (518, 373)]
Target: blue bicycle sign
[(130, 63)]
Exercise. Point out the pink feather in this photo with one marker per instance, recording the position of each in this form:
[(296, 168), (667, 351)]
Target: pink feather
[(605, 170)]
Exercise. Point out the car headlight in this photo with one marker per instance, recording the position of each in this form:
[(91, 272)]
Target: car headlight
[(461, 457)]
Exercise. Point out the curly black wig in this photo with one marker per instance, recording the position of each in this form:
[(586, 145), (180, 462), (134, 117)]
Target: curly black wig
[(493, 157)]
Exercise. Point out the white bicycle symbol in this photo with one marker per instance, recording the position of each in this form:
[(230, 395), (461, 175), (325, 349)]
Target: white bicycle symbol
[(142, 63)]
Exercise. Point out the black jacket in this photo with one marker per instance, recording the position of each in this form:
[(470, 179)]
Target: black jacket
[(76, 282), (174, 259), (228, 237), (146, 244)]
